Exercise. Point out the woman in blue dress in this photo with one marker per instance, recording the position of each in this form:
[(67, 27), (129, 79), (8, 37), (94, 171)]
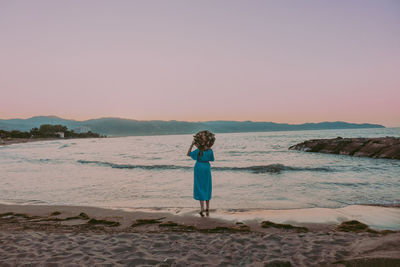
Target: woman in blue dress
[(202, 187)]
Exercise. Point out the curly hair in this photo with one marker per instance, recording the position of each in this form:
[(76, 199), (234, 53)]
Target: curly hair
[(204, 139)]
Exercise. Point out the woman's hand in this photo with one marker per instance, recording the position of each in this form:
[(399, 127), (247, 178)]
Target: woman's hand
[(190, 149)]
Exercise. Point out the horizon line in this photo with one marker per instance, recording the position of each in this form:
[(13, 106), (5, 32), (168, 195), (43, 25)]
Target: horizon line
[(27, 118)]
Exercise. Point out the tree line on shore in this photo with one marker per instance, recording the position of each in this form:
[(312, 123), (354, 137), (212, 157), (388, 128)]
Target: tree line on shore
[(48, 131)]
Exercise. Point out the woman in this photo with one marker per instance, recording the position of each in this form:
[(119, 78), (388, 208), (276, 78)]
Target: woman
[(202, 186)]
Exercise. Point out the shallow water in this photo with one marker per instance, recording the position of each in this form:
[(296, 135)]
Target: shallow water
[(251, 171)]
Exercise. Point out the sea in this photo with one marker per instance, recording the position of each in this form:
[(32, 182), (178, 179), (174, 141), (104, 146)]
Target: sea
[(253, 170)]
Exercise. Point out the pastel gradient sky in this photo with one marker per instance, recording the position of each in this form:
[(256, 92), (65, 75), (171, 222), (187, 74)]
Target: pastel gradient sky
[(280, 61)]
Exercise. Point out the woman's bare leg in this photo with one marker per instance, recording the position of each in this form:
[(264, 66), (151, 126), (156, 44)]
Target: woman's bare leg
[(201, 207)]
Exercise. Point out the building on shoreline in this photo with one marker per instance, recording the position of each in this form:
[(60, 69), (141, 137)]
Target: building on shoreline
[(60, 134)]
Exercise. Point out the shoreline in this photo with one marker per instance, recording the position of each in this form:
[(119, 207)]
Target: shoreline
[(125, 217), (378, 217), (11, 141), (44, 234), (7, 142)]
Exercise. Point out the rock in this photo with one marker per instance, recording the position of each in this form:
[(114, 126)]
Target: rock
[(354, 226), (381, 147), (277, 263), (369, 262)]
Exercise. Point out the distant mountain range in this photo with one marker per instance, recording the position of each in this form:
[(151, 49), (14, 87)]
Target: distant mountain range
[(125, 127)]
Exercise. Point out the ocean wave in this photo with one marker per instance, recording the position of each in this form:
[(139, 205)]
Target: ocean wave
[(271, 168), (274, 168), (346, 183), (130, 166), (238, 153), (22, 201), (67, 145)]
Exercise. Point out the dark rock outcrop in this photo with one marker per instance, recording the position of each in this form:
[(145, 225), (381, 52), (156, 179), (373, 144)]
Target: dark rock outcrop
[(382, 147)]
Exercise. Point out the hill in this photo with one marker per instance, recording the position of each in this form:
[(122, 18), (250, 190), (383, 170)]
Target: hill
[(124, 127)]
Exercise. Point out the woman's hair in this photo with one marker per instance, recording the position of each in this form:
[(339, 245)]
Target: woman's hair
[(203, 143)]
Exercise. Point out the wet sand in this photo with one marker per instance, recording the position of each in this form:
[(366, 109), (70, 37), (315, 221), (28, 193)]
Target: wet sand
[(68, 235)]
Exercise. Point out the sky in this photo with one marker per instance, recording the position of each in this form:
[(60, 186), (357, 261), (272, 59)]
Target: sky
[(280, 61)]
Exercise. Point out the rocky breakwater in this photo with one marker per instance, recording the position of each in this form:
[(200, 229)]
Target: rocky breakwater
[(382, 147)]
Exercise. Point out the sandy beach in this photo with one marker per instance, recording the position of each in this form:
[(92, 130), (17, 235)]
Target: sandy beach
[(72, 235)]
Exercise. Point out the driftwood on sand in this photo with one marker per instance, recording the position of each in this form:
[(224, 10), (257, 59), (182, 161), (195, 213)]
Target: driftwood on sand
[(382, 147)]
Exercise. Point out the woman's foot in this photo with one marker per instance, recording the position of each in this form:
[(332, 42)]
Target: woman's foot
[(201, 213), (207, 212)]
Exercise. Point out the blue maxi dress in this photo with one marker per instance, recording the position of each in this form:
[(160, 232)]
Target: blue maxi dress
[(202, 186)]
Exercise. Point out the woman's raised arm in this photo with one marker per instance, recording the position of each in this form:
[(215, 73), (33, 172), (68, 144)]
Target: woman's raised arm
[(190, 149)]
